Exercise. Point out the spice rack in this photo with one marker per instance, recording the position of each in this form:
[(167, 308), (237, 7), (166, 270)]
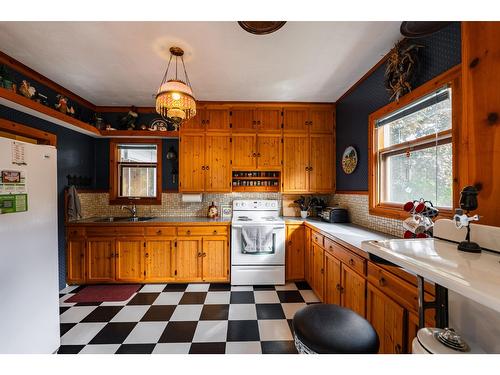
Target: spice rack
[(251, 181)]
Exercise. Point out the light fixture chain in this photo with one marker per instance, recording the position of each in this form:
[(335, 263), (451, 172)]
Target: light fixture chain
[(166, 72), (185, 73)]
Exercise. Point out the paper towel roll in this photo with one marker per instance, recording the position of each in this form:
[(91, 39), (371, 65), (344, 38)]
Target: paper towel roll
[(191, 198)]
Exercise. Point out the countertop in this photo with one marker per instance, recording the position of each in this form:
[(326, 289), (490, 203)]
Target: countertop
[(156, 220)]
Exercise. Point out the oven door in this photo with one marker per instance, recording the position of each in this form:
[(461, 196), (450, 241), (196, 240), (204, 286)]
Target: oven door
[(275, 256)]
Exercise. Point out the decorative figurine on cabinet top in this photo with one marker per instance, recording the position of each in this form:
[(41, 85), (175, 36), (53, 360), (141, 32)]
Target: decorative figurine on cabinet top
[(128, 121), (63, 106), (27, 90)]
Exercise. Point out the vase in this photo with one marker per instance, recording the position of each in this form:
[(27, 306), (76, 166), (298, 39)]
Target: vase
[(303, 214)]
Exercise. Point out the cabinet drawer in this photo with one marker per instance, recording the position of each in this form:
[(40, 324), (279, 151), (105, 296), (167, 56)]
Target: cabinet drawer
[(110, 231), (160, 231), (75, 232), (202, 231), (347, 257), (317, 238)]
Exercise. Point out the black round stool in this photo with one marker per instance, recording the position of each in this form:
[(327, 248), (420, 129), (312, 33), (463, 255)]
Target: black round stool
[(331, 329)]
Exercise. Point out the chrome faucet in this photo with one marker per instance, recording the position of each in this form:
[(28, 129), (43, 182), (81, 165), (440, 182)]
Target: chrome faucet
[(132, 210)]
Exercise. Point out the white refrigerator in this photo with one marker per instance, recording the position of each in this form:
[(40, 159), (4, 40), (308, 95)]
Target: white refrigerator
[(29, 290)]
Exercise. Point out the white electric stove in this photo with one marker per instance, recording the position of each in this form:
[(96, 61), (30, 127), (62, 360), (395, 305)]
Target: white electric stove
[(263, 265)]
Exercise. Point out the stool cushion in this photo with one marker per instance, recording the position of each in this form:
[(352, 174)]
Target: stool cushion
[(326, 328)]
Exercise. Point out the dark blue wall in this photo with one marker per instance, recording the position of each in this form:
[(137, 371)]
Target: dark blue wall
[(441, 52), (75, 156)]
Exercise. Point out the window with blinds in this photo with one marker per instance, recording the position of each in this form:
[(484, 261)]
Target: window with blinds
[(137, 170)]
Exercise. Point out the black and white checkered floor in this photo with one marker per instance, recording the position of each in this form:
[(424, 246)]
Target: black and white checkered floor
[(186, 318)]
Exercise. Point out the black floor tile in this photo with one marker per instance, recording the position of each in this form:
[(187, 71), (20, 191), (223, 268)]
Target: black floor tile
[(302, 285), (178, 332), (242, 297), (113, 333), (288, 296), (88, 303), (264, 287), (193, 298), (175, 288), (270, 311), (143, 299), (65, 327), (215, 312), (102, 314), (208, 348), (136, 349), (243, 330), (61, 295), (278, 347), (219, 288), (63, 309), (70, 349), (290, 324), (159, 313)]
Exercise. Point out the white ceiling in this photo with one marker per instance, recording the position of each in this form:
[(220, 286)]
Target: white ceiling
[(122, 63)]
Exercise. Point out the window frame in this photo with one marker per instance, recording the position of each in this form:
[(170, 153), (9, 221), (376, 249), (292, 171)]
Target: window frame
[(114, 164), (452, 78)]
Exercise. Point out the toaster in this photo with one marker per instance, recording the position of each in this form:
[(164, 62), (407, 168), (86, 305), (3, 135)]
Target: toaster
[(334, 215)]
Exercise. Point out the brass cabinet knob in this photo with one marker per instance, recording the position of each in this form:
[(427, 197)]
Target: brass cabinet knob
[(199, 254), (146, 255), (202, 167), (207, 168), (382, 281), (158, 232), (215, 232), (351, 262)]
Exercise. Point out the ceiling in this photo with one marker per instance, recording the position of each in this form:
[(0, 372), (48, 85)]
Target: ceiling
[(122, 63)]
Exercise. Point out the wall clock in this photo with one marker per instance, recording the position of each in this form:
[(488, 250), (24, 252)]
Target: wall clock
[(349, 160)]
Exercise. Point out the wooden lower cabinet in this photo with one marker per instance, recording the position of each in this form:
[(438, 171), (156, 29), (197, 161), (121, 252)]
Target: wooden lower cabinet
[(307, 255), (129, 259), (188, 259), (353, 290), (318, 276), (332, 279), (214, 258), (100, 260), (158, 260), (295, 248), (75, 261)]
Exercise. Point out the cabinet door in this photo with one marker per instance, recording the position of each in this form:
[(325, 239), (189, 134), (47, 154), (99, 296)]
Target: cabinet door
[(295, 248), (158, 260), (188, 259), (332, 279), (75, 261), (308, 256), (269, 152), (195, 123), (244, 152), (322, 164), (217, 160), (295, 120), (388, 319), (129, 259), (242, 119), (216, 119), (295, 163), (269, 119), (192, 163), (215, 259), (318, 271), (321, 120), (100, 259), (353, 290)]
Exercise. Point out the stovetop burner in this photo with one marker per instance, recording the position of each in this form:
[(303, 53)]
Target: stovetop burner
[(243, 218)]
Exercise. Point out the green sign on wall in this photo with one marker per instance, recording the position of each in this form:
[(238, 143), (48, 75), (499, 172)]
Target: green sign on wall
[(10, 203)]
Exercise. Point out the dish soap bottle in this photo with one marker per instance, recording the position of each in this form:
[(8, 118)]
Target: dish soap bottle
[(213, 211)]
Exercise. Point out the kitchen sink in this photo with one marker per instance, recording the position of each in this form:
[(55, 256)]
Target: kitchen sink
[(121, 219)]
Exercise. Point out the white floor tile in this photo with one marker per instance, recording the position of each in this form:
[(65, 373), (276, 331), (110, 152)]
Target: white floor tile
[(151, 288), (146, 333), (218, 298), (186, 313), (291, 308), (197, 288), (64, 298), (174, 348), (211, 331), (130, 314), (287, 286), (168, 298), (309, 296), (266, 296), (100, 349), (242, 311), (243, 347), (76, 314), (241, 288), (118, 303), (68, 289), (81, 334), (274, 330)]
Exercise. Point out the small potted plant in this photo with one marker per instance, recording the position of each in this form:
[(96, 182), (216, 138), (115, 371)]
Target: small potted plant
[(304, 204)]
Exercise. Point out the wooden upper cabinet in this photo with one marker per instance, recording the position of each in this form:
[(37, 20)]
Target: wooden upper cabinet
[(75, 261), (269, 119), (295, 163), (218, 163), (216, 119), (188, 259), (100, 259), (321, 120), (244, 153), (269, 151), (332, 279), (353, 290), (129, 258), (295, 248), (242, 119), (322, 163), (215, 265), (192, 163), (295, 120), (159, 259), (195, 123)]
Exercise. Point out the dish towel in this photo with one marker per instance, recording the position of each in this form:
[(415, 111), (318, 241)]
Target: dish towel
[(257, 239), (74, 207)]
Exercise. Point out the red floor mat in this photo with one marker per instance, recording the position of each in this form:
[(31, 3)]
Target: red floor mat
[(104, 293)]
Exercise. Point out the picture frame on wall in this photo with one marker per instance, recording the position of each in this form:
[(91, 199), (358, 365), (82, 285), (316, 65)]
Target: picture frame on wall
[(226, 211)]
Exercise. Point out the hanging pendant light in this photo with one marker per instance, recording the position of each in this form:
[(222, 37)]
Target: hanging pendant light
[(174, 99)]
